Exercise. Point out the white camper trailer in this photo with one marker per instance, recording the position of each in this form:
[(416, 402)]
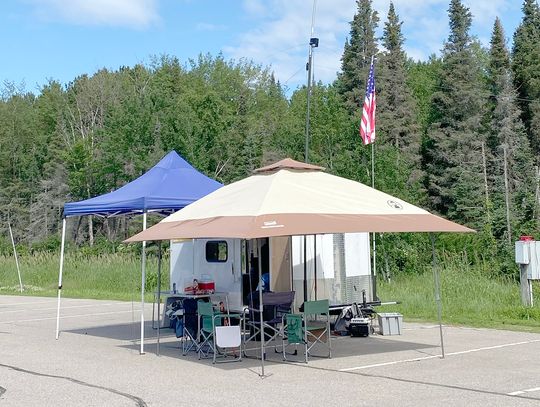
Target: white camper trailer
[(336, 266)]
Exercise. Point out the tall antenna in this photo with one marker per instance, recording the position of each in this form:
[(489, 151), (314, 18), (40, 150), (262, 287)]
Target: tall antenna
[(313, 43)]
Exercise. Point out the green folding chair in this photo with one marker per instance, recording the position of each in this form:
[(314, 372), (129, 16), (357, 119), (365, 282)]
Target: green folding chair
[(214, 338), (309, 329)]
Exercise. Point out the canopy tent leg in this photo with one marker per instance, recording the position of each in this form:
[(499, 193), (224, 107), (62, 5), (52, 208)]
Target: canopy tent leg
[(16, 258), (159, 294), (60, 276), (143, 283), (437, 292), (305, 269), (315, 264), (259, 253)]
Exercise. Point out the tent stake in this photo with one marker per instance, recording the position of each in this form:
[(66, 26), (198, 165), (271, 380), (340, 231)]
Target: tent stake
[(437, 291)]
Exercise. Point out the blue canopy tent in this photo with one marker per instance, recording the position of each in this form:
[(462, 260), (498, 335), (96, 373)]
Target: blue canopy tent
[(167, 187)]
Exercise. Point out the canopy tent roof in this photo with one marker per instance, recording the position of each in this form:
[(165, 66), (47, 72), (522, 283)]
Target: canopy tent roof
[(292, 198), (170, 185)]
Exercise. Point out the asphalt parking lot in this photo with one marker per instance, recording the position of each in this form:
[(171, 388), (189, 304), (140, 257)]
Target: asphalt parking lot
[(96, 362)]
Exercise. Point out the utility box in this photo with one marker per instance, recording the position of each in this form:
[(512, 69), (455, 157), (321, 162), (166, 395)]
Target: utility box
[(528, 255), (390, 323), (522, 252), (533, 272)]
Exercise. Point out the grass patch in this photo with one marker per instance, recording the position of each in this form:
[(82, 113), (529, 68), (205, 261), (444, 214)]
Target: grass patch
[(469, 297), (111, 276)]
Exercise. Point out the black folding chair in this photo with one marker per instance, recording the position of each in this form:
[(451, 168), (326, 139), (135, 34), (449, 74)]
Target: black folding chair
[(275, 306)]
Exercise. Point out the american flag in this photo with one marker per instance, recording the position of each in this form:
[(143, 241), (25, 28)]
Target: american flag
[(367, 127)]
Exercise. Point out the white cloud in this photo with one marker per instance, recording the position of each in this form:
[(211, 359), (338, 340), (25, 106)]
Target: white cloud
[(282, 36), (283, 30), (126, 13)]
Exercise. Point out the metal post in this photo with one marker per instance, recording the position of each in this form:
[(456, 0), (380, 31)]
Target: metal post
[(525, 286), (16, 257), (437, 292), (261, 307), (315, 263), (313, 42), (159, 294), (374, 244), (60, 276), (143, 283), (305, 268)]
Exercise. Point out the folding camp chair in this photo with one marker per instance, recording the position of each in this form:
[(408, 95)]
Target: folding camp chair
[(190, 325), (276, 305), (307, 329), (214, 338)]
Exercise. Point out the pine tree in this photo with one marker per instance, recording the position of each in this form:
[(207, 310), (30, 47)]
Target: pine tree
[(453, 151), (511, 162), (395, 106), (499, 58), (358, 50), (526, 68)]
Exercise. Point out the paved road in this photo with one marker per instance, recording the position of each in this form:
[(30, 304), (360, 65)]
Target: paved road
[(96, 362)]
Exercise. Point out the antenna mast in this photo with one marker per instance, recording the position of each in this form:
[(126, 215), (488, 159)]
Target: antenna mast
[(313, 43)]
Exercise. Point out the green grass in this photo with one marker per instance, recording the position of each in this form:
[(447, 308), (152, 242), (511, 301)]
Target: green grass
[(111, 276), (469, 295)]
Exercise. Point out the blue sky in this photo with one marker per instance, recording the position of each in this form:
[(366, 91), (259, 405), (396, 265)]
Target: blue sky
[(60, 39)]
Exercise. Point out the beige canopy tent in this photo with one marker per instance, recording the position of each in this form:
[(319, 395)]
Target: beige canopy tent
[(293, 198)]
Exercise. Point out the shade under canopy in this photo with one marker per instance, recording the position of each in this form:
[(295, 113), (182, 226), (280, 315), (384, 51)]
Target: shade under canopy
[(168, 186), (290, 198)]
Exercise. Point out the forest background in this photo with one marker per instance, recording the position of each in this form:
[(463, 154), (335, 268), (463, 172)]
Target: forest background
[(458, 134)]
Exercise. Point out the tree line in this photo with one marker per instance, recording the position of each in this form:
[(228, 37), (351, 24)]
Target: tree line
[(458, 133)]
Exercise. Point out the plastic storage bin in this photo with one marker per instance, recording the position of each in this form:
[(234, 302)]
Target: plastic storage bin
[(390, 323)]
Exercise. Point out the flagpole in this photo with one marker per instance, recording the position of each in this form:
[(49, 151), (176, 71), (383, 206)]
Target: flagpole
[(374, 245), (374, 271)]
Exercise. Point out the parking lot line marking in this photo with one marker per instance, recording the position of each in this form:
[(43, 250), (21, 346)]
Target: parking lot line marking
[(65, 316), (63, 308), (8, 304), (493, 347), (515, 393), (395, 362)]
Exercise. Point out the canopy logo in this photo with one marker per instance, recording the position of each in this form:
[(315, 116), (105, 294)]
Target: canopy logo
[(271, 224), (394, 204)]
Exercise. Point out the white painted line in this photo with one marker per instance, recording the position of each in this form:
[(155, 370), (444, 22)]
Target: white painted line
[(9, 304), (515, 393), (62, 317), (52, 301), (63, 308), (395, 362), (493, 347)]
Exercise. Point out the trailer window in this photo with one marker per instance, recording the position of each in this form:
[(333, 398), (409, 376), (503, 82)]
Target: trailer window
[(216, 251)]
